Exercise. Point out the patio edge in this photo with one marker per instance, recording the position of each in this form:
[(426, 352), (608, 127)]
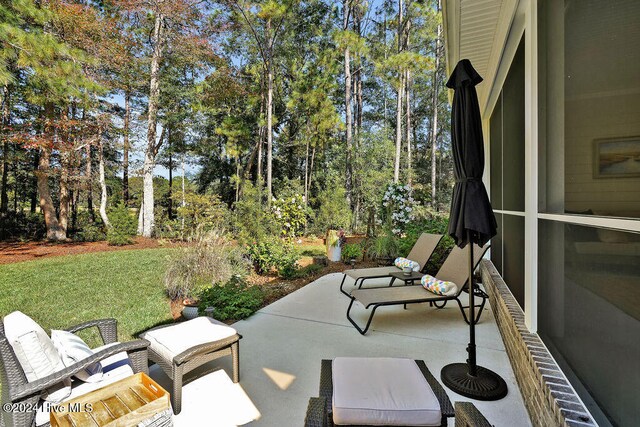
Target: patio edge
[(548, 396)]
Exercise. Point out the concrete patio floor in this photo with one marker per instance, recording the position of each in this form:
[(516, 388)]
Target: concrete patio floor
[(284, 342)]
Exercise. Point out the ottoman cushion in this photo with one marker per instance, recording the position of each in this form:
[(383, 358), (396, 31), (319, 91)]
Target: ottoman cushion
[(169, 341), (382, 391)]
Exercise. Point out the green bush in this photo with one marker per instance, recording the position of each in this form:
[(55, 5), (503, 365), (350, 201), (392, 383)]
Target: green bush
[(90, 232), (234, 299), (123, 226), (351, 251), (385, 245), (307, 271), (22, 226), (211, 259), (274, 253), (428, 222), (290, 214), (251, 219), (332, 211)]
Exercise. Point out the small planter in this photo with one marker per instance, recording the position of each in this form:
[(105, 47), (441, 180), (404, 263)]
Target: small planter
[(334, 253), (190, 311)]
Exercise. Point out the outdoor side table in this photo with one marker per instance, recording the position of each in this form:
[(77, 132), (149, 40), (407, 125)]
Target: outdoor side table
[(408, 279), (182, 347)]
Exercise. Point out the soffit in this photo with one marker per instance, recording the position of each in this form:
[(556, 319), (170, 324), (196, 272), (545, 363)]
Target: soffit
[(477, 30)]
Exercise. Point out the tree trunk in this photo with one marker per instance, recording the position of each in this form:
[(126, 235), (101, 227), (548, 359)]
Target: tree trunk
[(4, 198), (126, 146), (313, 155), (34, 182), (63, 209), (396, 163), (346, 10), (184, 202), (434, 119), (148, 219), (103, 184), (89, 177), (170, 207), (269, 112), (54, 231), (408, 125), (260, 133)]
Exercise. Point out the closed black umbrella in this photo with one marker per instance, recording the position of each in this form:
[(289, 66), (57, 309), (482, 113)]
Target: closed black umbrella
[(471, 221)]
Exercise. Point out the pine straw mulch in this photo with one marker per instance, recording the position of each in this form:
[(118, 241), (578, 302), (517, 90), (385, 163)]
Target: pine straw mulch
[(11, 252)]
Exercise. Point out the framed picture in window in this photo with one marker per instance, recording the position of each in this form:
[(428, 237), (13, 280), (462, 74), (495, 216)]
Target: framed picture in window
[(616, 157)]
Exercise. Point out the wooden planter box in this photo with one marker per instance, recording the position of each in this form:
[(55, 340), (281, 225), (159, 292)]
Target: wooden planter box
[(123, 403)]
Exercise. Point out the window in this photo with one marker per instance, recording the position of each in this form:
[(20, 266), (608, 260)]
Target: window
[(506, 137), (589, 159)]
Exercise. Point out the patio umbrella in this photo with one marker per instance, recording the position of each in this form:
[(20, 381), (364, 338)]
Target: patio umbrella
[(471, 221)]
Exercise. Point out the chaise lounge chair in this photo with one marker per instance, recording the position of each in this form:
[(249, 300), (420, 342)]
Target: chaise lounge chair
[(420, 253), (453, 270)]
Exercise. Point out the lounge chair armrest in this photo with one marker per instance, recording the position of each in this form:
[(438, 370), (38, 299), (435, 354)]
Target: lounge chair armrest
[(204, 348), (467, 415), (107, 327), (28, 389), (445, 404), (316, 412)]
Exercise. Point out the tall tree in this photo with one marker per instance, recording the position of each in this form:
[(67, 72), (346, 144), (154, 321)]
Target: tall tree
[(346, 13)]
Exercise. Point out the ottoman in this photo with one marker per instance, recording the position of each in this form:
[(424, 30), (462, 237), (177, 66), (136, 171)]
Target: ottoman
[(384, 391), (180, 348)]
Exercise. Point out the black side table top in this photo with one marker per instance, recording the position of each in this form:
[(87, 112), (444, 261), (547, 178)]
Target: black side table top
[(415, 275)]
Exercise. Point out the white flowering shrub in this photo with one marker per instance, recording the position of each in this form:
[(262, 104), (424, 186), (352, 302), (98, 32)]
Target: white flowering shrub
[(398, 207), (291, 214)]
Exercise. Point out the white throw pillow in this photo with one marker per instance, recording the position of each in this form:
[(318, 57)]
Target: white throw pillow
[(36, 353), (73, 349)]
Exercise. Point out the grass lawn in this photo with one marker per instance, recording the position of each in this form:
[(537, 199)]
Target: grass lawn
[(63, 291)]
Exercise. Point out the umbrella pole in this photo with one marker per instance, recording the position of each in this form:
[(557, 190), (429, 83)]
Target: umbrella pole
[(471, 348), (469, 379)]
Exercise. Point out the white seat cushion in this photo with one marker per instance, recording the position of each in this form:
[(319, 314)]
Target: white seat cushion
[(35, 352), (382, 391), (169, 341), (114, 368)]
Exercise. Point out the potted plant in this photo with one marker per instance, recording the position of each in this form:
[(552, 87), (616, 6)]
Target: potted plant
[(383, 248), (190, 310), (351, 253), (335, 240)]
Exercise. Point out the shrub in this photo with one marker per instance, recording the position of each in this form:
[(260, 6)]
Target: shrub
[(22, 226), (385, 245), (307, 271), (333, 211), (90, 232), (290, 214), (123, 226), (201, 213), (398, 207), (274, 253), (351, 251), (211, 259), (232, 299), (251, 220), (428, 222)]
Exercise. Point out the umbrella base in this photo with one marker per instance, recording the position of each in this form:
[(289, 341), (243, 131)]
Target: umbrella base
[(486, 385)]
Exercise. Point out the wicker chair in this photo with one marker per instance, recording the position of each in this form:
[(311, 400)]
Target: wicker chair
[(319, 411), (26, 395)]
